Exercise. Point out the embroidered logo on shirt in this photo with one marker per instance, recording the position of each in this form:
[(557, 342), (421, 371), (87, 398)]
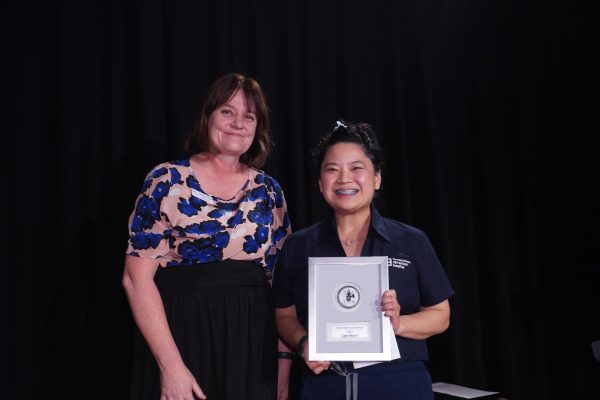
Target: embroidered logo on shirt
[(398, 262)]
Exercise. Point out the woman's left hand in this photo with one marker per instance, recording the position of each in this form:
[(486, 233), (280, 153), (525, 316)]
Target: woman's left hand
[(391, 308)]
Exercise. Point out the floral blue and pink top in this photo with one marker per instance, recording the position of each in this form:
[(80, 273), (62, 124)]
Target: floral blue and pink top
[(175, 221)]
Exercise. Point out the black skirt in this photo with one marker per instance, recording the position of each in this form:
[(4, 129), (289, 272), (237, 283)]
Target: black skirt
[(221, 317)]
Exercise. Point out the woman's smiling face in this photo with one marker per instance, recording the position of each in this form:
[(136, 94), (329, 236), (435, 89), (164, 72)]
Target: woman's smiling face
[(348, 179), (231, 126)]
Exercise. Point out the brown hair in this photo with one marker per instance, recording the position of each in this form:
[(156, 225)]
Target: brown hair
[(218, 94)]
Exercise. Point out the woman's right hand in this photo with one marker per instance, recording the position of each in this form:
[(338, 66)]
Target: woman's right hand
[(179, 384), (315, 366), (290, 330)]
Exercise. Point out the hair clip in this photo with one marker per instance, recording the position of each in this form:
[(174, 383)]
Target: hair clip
[(338, 124)]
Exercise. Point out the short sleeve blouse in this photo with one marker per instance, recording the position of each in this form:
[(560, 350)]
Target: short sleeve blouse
[(175, 221)]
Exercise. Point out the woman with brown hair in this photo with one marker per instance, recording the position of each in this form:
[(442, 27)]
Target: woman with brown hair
[(204, 236)]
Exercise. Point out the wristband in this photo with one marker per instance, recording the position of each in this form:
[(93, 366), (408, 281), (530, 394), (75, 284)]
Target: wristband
[(300, 345), (285, 354)]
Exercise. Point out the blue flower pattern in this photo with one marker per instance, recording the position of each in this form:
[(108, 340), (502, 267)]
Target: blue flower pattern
[(161, 190), (261, 215), (143, 240), (147, 212), (198, 232), (237, 219), (186, 208)]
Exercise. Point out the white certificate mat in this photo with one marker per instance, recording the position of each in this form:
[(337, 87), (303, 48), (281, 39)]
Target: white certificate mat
[(344, 312)]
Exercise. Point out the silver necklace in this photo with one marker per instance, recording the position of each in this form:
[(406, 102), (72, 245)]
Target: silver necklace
[(350, 242)]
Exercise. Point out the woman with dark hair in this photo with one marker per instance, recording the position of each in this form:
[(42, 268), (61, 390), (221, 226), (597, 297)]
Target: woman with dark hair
[(349, 162), (204, 236)]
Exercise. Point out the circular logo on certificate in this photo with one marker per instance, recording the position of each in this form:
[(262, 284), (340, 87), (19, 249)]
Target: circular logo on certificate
[(348, 296)]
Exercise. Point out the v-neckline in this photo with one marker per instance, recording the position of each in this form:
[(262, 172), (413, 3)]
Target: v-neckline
[(235, 198)]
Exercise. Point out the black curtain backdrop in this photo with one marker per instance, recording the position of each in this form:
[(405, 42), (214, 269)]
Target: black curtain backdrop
[(487, 111)]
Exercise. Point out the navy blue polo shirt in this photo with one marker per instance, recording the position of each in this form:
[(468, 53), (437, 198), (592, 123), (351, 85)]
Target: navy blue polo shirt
[(414, 269)]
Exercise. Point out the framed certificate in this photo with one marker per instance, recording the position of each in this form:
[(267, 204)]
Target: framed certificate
[(345, 320)]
